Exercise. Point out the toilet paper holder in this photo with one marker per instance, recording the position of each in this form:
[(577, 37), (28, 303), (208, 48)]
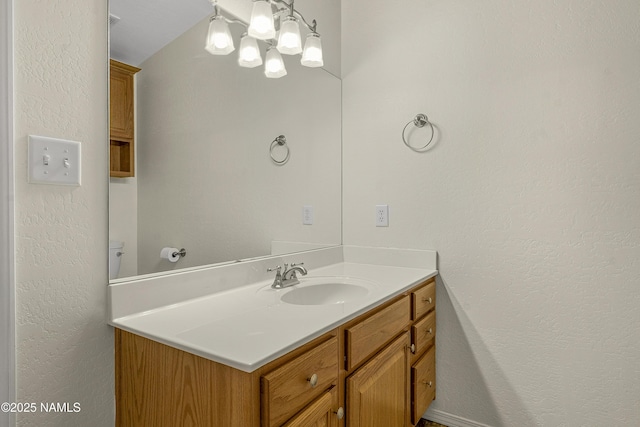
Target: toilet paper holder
[(181, 253), (172, 254)]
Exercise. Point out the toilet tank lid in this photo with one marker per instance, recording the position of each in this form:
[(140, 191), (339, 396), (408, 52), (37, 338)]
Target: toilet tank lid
[(114, 244)]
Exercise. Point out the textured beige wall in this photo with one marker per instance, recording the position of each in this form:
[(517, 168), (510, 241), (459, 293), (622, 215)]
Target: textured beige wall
[(64, 346), (531, 194)]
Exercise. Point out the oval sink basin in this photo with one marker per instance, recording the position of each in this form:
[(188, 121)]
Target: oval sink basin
[(329, 290), (326, 293)]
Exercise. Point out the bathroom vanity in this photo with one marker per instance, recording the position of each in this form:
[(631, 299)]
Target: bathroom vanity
[(260, 357)]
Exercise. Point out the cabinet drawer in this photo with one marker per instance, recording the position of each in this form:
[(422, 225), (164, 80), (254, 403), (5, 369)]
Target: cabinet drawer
[(289, 388), (367, 336), (423, 384), (424, 299), (423, 331)]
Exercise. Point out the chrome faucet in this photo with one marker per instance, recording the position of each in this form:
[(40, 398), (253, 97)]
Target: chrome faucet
[(289, 277)]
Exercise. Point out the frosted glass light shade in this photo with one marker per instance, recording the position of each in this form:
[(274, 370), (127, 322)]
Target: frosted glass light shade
[(219, 40), (289, 42), (273, 64), (249, 54), (312, 53), (261, 25)]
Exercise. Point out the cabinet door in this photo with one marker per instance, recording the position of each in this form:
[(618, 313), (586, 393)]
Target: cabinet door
[(377, 392), (121, 103), (321, 413)]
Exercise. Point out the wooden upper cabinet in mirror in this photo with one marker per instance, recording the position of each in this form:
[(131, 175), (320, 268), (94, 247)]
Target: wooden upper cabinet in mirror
[(121, 119)]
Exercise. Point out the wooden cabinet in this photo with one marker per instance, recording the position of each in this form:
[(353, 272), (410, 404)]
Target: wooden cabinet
[(376, 393), (366, 336), (121, 119), (290, 387), (423, 384), (423, 359), (321, 413), (375, 370)]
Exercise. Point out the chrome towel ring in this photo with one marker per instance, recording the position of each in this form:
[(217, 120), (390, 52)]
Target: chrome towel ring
[(282, 142), (419, 121)]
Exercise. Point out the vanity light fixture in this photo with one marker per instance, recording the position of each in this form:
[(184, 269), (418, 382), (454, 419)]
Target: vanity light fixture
[(278, 24)]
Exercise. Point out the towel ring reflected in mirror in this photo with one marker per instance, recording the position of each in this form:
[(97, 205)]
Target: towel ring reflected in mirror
[(419, 121), (280, 141)]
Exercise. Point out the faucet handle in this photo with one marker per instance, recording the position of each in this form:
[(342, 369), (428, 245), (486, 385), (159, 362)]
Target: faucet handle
[(277, 281), (296, 263)]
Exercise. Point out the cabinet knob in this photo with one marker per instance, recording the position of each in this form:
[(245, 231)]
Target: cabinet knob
[(340, 413), (429, 331), (313, 380), (427, 383), (413, 348), (429, 300)]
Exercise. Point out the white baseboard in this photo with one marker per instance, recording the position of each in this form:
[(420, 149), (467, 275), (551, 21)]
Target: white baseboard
[(450, 419)]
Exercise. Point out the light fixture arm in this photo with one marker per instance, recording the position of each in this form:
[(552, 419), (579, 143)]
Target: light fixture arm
[(292, 11), (229, 21)]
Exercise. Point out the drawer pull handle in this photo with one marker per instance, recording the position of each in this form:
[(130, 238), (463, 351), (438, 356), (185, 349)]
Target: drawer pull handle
[(340, 413), (313, 380), (427, 383), (428, 300)]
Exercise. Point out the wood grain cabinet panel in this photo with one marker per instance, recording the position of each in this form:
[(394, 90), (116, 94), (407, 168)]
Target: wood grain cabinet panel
[(423, 332), (321, 413), (423, 299), (160, 386), (366, 337), (292, 386), (121, 119), (376, 392), (423, 384)]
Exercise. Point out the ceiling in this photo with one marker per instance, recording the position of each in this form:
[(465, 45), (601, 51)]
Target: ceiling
[(152, 24)]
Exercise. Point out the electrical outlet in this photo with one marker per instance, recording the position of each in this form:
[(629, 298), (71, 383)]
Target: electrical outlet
[(307, 215), (382, 215)]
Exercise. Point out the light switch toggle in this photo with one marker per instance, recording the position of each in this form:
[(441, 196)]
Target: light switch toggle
[(45, 159), (66, 163)]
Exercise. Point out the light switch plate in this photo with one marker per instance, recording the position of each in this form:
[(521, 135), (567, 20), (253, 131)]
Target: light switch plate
[(54, 161)]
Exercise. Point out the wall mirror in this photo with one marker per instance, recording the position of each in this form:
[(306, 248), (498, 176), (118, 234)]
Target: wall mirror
[(204, 178)]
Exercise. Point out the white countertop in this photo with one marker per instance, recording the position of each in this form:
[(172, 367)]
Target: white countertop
[(248, 326)]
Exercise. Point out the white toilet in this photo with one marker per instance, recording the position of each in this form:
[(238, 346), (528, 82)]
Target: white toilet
[(115, 255)]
